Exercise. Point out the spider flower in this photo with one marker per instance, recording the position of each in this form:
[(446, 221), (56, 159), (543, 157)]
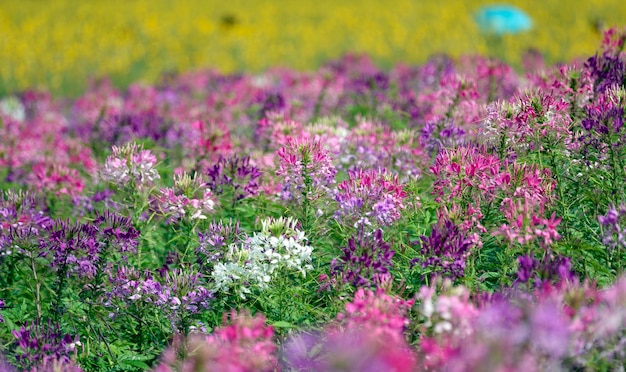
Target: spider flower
[(130, 164)]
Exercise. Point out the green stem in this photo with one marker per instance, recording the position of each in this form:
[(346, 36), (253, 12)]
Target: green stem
[(190, 231), (37, 287), (61, 279), (614, 180), (559, 186), (306, 193)]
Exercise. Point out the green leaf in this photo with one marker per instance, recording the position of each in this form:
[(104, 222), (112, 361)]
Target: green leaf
[(282, 324), (135, 363)]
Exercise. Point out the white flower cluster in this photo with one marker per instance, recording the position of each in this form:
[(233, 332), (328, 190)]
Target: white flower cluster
[(278, 247)]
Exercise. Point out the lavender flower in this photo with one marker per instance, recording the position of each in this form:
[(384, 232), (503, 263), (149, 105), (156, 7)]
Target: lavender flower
[(21, 219), (366, 260), (369, 198), (130, 126), (614, 235), (84, 205), (216, 240), (607, 70), (445, 251), (606, 113), (368, 88), (80, 248), (272, 102), (234, 173), (187, 290), (131, 286), (178, 296), (614, 227), (440, 134), (19, 211), (551, 269), (39, 344)]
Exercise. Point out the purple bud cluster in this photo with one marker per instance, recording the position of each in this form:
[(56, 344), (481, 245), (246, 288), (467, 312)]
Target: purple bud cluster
[(614, 226), (445, 251), (605, 114), (607, 70), (441, 134), (86, 205), (366, 260), (79, 248), (234, 172), (180, 290), (20, 218), (43, 344), (552, 269), (187, 291), (216, 239)]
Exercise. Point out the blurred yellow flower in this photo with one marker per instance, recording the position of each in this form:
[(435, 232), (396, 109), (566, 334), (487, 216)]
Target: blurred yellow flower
[(60, 44)]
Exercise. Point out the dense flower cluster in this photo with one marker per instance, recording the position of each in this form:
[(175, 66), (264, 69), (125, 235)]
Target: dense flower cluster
[(306, 170), (607, 69), (181, 293), (520, 332), (83, 249), (43, 346), (234, 174), (445, 251), (369, 198), (187, 199), (366, 260), (548, 269), (20, 217), (216, 240), (405, 181), (130, 164)]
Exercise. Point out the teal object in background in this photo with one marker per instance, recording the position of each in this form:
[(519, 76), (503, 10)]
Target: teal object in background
[(502, 19)]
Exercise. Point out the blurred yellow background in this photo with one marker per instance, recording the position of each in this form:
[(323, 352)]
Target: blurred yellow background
[(58, 44)]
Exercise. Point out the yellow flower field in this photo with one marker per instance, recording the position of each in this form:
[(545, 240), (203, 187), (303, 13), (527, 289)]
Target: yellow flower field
[(59, 44)]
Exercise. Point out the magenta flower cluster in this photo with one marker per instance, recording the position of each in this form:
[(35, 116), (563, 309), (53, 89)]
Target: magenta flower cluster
[(369, 199)]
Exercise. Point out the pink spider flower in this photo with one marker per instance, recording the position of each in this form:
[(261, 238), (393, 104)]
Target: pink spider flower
[(369, 336), (130, 164), (277, 130), (525, 224), (306, 170), (189, 198), (244, 345), (57, 179)]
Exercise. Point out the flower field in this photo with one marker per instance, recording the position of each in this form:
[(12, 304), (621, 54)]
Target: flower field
[(451, 215)]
